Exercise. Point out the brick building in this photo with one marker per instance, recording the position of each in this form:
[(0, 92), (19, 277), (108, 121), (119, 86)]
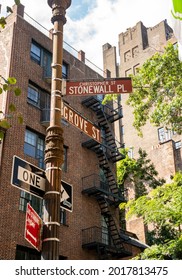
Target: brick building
[(93, 229), (163, 147)]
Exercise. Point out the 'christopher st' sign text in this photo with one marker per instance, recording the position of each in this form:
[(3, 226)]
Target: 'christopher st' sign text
[(109, 86)]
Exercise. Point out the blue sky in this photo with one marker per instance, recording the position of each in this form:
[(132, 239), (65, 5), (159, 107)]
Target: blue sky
[(80, 8), (92, 23)]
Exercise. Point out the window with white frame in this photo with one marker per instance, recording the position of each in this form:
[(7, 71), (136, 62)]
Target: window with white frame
[(34, 201), (35, 53), (164, 134), (130, 152), (178, 145), (34, 146), (33, 95)]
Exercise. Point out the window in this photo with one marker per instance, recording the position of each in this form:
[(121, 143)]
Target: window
[(38, 97), (34, 146), (65, 70), (105, 230), (127, 56), (35, 53), (130, 152), (65, 155), (25, 253), (44, 58), (178, 145), (164, 135), (33, 95), (136, 68), (62, 216), (175, 45), (128, 72), (135, 51), (34, 201)]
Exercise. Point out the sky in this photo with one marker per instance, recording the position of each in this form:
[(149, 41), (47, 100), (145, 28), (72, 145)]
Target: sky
[(92, 23)]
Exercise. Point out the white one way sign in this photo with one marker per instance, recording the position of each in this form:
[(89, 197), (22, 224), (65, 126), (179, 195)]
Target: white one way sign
[(32, 179), (28, 177)]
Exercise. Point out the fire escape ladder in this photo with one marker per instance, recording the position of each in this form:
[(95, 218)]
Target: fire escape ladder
[(111, 224), (109, 139), (109, 174)]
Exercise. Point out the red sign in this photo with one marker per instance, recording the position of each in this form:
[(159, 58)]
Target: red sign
[(80, 122), (106, 86), (33, 228)]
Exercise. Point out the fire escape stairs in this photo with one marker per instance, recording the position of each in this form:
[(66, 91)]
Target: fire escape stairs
[(108, 151), (118, 246)]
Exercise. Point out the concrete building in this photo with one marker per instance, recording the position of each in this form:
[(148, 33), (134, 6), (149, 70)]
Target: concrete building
[(93, 229), (163, 147)]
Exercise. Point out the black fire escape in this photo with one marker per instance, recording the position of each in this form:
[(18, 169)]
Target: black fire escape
[(107, 242)]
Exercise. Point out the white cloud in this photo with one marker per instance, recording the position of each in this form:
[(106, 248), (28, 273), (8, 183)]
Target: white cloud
[(104, 21), (108, 19)]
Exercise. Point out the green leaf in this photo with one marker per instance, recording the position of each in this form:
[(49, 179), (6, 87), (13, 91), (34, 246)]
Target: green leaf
[(5, 124), (17, 2), (5, 87), (20, 119), (158, 91), (2, 22), (11, 81), (1, 90), (1, 134), (17, 91), (12, 108)]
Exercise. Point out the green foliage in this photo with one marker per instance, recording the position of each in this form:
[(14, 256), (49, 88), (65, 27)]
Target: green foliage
[(2, 22), (162, 208), (141, 172), (17, 2), (157, 95), (7, 86)]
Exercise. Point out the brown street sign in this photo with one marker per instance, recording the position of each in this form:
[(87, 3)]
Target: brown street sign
[(106, 86), (81, 123)]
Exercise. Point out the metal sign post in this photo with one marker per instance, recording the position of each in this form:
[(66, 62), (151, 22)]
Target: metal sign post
[(54, 139)]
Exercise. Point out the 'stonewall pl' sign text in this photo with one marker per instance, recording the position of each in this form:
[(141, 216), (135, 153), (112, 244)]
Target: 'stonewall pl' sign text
[(106, 86)]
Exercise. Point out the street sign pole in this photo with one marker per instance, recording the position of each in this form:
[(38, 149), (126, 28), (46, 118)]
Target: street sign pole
[(54, 139)]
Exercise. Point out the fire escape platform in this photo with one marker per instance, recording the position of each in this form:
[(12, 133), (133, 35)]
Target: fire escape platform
[(95, 239), (93, 186)]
